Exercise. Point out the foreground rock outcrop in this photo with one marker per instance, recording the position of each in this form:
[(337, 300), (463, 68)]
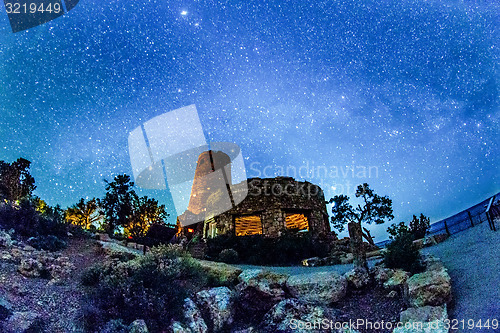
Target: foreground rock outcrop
[(324, 287)]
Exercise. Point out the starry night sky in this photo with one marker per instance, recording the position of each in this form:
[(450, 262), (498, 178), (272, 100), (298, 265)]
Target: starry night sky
[(408, 88)]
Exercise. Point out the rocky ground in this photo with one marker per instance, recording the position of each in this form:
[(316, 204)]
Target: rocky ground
[(48, 296), (41, 289)]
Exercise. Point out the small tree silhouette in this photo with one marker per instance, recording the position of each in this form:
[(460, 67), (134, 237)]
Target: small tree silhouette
[(374, 209)]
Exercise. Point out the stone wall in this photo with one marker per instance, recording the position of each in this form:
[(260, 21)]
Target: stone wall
[(272, 199)]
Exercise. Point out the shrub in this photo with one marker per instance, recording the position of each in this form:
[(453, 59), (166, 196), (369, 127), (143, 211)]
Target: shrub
[(402, 253), (419, 226), (398, 229), (290, 248), (229, 256), (27, 221), (151, 287), (47, 243)]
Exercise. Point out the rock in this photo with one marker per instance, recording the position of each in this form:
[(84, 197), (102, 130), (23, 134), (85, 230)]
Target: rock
[(431, 263), (5, 239), (6, 256), (423, 314), (30, 267), (115, 326), (429, 241), (104, 237), (419, 243), (138, 326), (115, 250), (397, 280), (347, 258), (216, 304), (5, 309), (227, 274), (177, 327), (424, 319), (259, 291), (265, 282), (432, 287), (439, 238), (381, 274), (374, 254), (358, 278), (324, 287), (193, 317), (23, 322), (293, 315), (29, 248)]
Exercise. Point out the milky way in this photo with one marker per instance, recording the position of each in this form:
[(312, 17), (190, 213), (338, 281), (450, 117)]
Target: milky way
[(406, 89)]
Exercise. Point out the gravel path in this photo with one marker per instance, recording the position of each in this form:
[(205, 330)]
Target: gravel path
[(473, 261)]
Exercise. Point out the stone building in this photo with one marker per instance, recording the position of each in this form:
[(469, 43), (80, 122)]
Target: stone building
[(270, 205)]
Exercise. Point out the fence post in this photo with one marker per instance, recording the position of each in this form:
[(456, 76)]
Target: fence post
[(470, 218), (490, 221), (446, 227)]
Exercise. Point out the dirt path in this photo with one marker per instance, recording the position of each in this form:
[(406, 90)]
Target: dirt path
[(473, 261), (58, 304)]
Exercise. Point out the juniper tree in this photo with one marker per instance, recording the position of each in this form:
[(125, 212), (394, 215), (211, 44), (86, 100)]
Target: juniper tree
[(373, 209)]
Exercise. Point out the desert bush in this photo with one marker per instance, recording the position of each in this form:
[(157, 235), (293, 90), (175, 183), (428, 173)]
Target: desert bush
[(402, 253), (47, 243), (151, 287), (398, 229), (27, 221), (229, 256), (419, 226)]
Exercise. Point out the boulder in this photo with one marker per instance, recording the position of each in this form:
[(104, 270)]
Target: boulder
[(216, 304), (381, 274), (429, 241), (227, 274), (23, 322), (397, 280), (259, 291), (293, 315), (5, 309), (5, 239), (432, 263), (177, 327), (193, 317), (425, 319), (432, 287), (324, 287), (357, 278), (138, 326), (377, 254), (116, 250)]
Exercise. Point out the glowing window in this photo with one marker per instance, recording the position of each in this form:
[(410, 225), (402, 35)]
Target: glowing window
[(248, 225), (297, 222)]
